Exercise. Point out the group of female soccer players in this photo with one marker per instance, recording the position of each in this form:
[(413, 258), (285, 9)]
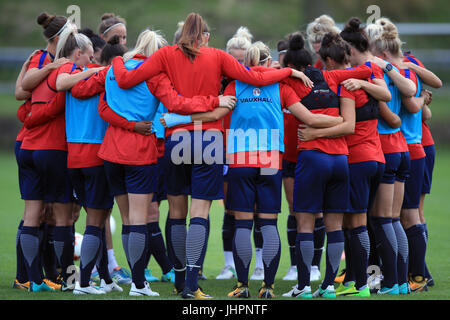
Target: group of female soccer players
[(347, 136)]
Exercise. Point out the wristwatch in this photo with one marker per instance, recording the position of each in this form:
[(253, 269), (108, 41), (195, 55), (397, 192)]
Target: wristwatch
[(388, 68)]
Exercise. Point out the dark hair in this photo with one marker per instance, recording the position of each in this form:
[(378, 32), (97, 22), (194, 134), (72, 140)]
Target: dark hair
[(296, 55), (112, 49), (97, 42), (51, 24), (191, 35), (354, 34), (108, 20), (335, 48), (282, 45)]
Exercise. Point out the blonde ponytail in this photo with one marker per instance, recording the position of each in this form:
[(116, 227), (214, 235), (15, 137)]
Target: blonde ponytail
[(257, 54), (147, 43), (69, 40)]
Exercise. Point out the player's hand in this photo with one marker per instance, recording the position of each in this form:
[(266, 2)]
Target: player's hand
[(163, 121), (276, 65), (227, 102), (58, 63), (300, 75), (143, 127), (305, 133), (352, 84), (97, 69), (428, 95)]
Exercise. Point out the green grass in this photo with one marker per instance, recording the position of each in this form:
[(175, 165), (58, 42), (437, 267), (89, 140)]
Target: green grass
[(11, 208)]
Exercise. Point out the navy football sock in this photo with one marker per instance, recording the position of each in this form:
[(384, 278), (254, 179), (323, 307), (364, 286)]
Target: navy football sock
[(90, 248), (271, 250), (21, 270), (403, 251), (335, 246), (137, 250), (304, 252), (102, 260), (417, 249), (29, 242), (176, 246), (291, 237), (360, 248), (64, 240), (228, 232), (319, 240), (157, 246), (196, 242), (387, 247), (242, 249)]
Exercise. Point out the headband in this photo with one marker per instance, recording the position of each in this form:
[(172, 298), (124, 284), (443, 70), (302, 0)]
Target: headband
[(267, 58), (60, 30), (282, 51), (112, 27)]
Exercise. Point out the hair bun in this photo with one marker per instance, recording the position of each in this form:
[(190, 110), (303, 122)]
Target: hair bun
[(87, 32), (44, 19), (325, 20), (296, 42), (354, 24), (107, 16), (390, 31), (114, 40)]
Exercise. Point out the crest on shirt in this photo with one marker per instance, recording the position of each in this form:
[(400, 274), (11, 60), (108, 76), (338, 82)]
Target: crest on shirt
[(256, 92)]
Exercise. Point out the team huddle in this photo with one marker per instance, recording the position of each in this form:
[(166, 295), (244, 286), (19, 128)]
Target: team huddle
[(345, 135)]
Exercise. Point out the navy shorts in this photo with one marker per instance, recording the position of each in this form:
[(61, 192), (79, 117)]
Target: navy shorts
[(430, 152), (254, 187), (45, 176), (123, 179), (160, 182), (321, 183), (413, 186), (364, 180), (194, 164), (396, 168), (91, 187), (288, 169)]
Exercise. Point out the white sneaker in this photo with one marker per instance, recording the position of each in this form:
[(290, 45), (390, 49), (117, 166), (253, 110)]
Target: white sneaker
[(145, 291), (110, 287), (291, 274), (294, 293), (228, 272), (315, 274), (258, 274), (86, 290)]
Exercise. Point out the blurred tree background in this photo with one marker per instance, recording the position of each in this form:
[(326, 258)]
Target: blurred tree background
[(267, 20)]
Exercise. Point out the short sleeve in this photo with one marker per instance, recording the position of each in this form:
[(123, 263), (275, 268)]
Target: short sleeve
[(230, 90), (288, 96), (38, 60), (344, 93)]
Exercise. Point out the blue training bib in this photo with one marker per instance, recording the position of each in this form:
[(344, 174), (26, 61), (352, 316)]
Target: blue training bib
[(257, 122), (134, 104), (83, 123), (412, 122), (395, 105)]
